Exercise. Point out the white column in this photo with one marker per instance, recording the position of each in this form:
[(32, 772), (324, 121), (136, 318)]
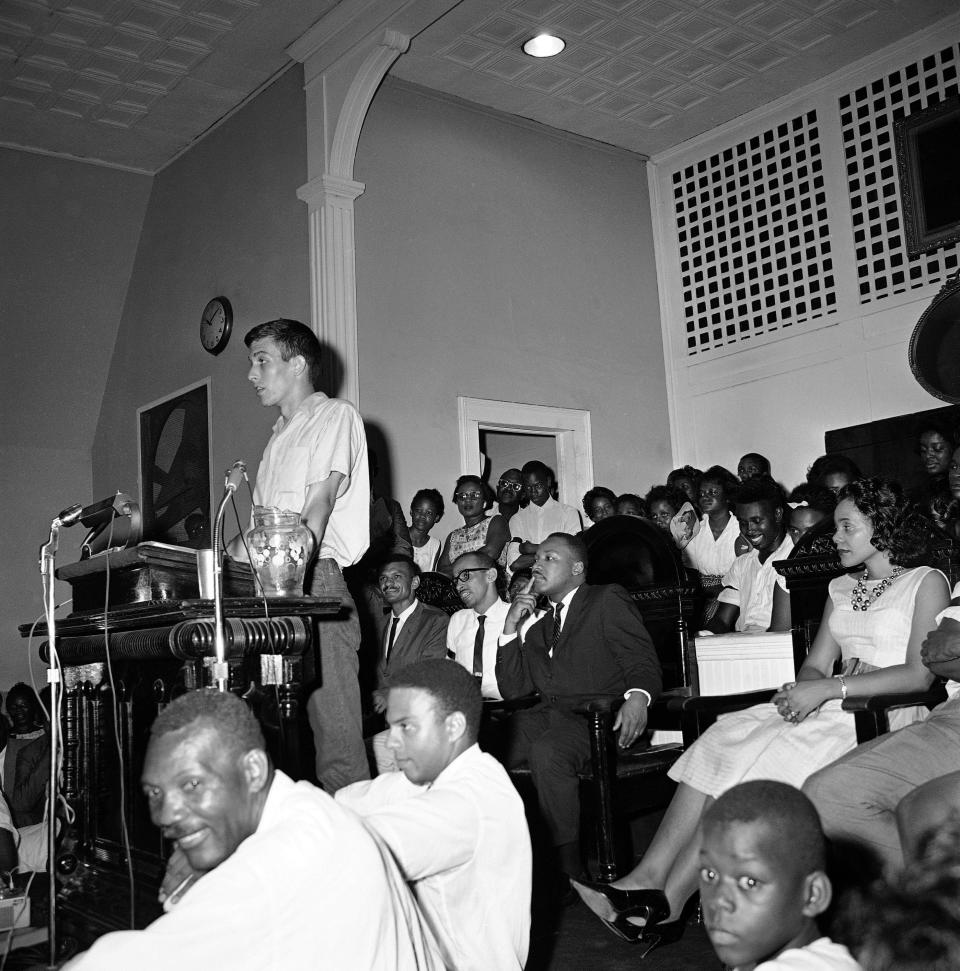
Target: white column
[(333, 282)]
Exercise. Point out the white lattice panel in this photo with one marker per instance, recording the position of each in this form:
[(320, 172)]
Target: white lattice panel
[(867, 117), (753, 237)]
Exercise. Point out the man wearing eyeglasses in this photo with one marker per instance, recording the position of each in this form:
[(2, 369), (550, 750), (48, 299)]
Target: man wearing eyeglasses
[(473, 632), (509, 493)]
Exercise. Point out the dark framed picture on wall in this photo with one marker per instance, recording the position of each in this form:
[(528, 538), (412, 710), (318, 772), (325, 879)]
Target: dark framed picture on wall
[(928, 157), (174, 435)]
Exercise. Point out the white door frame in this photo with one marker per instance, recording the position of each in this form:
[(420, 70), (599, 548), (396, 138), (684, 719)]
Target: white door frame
[(571, 426)]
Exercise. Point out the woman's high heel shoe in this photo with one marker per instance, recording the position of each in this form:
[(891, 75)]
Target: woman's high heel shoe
[(614, 906), (653, 935)]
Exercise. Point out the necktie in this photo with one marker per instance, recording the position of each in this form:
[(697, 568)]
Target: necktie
[(478, 649), (393, 636), (556, 627)]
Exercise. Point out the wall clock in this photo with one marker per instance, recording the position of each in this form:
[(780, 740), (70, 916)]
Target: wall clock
[(216, 324)]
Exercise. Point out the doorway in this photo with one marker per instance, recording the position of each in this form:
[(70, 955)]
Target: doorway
[(563, 432), (504, 450)]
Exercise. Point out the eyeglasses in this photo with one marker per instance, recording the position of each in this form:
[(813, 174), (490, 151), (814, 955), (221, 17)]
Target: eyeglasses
[(509, 484), (467, 496), (710, 493), (464, 575)]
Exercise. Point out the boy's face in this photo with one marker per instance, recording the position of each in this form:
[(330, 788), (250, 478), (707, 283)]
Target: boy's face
[(753, 897)]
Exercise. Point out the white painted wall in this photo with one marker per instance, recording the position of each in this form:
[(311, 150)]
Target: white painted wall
[(779, 393)]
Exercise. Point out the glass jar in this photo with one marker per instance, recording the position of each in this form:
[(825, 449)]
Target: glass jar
[(280, 549)]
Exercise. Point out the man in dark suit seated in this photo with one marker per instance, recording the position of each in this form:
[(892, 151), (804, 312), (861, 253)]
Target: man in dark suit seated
[(591, 641), (414, 632)]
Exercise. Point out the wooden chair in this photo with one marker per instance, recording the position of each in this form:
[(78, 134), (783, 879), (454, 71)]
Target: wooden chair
[(621, 785)]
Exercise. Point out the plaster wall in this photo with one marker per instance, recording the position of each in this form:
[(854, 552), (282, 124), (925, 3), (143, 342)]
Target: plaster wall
[(223, 219), (502, 262), (69, 235), (779, 392)]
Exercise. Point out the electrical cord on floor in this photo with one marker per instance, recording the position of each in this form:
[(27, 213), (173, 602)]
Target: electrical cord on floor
[(125, 834)]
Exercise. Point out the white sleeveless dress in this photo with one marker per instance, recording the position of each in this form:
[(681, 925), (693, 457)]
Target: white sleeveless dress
[(758, 744)]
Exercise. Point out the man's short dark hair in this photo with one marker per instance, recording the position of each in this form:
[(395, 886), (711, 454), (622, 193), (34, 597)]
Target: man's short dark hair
[(575, 545), (230, 717), (483, 559), (762, 490), (781, 807), (452, 687), (761, 460), (536, 467), (292, 338), (407, 561)]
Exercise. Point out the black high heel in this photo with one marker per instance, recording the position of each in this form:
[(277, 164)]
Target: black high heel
[(616, 906), (653, 935)]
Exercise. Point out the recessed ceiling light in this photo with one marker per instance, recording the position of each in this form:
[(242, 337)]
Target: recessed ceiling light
[(544, 45)]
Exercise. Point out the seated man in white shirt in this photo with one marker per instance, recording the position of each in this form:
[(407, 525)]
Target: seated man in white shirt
[(542, 516), (452, 819), (747, 598), (473, 632), (266, 873)]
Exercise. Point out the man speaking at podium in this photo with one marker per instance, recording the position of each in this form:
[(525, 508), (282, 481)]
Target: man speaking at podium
[(315, 463)]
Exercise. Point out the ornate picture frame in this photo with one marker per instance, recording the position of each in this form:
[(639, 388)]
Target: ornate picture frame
[(928, 157)]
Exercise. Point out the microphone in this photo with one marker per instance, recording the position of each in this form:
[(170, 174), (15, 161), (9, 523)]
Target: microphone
[(69, 516), (235, 475)]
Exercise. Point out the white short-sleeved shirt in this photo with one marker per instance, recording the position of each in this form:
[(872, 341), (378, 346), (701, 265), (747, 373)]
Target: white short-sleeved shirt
[(324, 435), (748, 584)]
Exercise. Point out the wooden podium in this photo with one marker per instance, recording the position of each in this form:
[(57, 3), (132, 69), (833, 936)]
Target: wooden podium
[(138, 613)]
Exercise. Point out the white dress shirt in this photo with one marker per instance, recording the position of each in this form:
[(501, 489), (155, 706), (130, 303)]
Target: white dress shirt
[(311, 888), (461, 634), (463, 843), (535, 523), (323, 435)]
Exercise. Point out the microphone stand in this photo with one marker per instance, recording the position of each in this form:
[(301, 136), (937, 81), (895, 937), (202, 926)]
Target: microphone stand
[(48, 562), (221, 671)]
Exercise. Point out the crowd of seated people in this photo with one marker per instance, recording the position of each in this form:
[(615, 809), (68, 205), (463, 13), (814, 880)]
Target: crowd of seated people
[(727, 530), (531, 629)]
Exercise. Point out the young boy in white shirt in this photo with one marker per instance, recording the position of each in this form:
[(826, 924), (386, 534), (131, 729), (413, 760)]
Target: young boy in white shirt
[(763, 883)]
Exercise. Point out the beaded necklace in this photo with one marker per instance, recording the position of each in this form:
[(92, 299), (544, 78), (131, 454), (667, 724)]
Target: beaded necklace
[(860, 599)]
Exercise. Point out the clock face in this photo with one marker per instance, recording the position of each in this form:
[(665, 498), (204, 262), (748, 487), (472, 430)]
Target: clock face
[(215, 325)]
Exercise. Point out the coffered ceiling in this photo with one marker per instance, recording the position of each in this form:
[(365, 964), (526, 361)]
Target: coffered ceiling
[(133, 83)]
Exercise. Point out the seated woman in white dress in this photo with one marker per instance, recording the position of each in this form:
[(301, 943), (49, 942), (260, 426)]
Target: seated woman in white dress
[(874, 622)]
